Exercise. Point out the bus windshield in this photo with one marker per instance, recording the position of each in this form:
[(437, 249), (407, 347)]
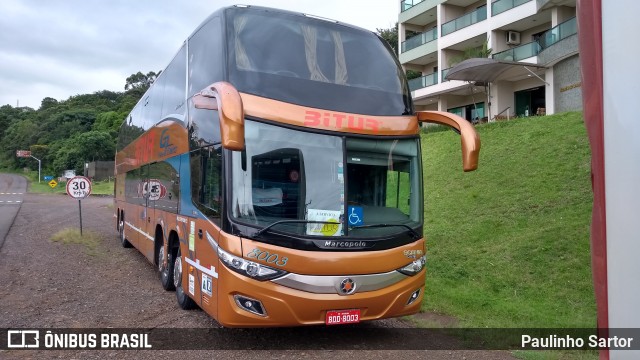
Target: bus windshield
[(272, 53), (330, 186)]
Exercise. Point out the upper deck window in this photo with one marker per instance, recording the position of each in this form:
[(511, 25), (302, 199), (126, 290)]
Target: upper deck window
[(312, 62)]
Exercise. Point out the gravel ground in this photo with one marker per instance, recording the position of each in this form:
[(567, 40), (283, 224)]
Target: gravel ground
[(46, 284)]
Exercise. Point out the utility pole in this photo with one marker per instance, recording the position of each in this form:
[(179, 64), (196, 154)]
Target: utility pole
[(39, 166), (26, 154)]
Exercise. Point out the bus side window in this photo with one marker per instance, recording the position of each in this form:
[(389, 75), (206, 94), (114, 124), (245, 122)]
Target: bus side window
[(206, 175)]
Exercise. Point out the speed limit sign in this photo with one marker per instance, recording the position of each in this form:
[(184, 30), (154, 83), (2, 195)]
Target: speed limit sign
[(78, 187)]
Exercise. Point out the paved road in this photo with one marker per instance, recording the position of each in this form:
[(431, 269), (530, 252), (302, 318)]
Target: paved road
[(12, 189), (100, 284)]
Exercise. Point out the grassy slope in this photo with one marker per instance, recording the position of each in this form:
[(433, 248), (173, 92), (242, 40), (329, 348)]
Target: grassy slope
[(508, 244)]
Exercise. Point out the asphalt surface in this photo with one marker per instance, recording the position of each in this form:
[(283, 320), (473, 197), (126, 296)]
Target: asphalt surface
[(12, 189), (47, 284)]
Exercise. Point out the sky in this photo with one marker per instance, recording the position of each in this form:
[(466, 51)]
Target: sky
[(64, 48)]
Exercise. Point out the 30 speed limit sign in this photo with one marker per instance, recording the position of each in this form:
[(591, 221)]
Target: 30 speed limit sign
[(78, 187)]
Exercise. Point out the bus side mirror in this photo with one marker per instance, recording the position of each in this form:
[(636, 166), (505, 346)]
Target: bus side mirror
[(468, 136), (224, 97)]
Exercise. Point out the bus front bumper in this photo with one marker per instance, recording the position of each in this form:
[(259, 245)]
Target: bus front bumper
[(284, 306)]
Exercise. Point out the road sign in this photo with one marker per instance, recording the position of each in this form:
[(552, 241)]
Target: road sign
[(23, 153), (53, 183), (48, 177), (78, 187)]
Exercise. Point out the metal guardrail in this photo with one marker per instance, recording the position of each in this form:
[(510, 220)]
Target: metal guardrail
[(518, 53), (419, 40), (465, 20), (423, 81), (501, 6), (408, 4), (559, 32)]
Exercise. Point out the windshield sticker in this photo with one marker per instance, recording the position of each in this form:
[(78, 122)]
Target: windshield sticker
[(356, 215), (331, 216), (294, 175), (192, 239), (267, 197)]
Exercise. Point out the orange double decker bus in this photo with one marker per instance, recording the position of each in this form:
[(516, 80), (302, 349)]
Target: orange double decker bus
[(272, 173)]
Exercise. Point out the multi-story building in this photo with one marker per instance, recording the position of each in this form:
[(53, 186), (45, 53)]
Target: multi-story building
[(436, 34)]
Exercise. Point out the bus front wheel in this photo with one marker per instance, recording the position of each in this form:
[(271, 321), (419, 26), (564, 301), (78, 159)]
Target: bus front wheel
[(123, 240)]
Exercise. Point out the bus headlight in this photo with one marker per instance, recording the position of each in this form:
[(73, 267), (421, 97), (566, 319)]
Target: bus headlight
[(414, 267), (249, 268)]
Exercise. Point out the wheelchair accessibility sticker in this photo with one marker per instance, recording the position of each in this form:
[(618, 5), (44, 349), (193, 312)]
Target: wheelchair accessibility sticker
[(355, 215)]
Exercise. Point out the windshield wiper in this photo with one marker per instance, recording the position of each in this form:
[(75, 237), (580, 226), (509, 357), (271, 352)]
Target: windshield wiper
[(268, 227), (413, 233)]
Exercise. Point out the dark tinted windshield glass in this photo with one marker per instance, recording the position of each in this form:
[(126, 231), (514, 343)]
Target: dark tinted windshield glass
[(311, 62), (299, 179)]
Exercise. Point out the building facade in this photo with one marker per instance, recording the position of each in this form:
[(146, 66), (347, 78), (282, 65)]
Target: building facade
[(434, 35)]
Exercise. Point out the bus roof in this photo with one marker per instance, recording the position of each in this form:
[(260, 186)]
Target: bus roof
[(221, 11)]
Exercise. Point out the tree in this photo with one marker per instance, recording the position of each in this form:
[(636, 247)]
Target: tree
[(81, 148), (140, 82), (109, 121), (20, 135), (391, 36), (65, 124), (48, 102), (472, 52), (69, 132)]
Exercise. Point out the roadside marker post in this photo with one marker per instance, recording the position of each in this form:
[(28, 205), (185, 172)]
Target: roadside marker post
[(79, 187)]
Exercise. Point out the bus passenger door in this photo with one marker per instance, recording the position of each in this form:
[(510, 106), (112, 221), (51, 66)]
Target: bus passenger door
[(147, 226), (206, 177)]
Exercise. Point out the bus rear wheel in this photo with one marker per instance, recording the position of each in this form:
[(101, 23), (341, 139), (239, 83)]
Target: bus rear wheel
[(123, 240), (184, 301), (165, 267)]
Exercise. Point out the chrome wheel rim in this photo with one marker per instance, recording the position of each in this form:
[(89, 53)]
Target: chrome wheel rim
[(161, 266), (177, 272), (122, 231)]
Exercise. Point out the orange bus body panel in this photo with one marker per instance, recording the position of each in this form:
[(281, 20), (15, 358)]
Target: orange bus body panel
[(319, 119)]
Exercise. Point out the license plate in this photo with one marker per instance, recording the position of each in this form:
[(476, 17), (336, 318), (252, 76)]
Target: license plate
[(337, 317)]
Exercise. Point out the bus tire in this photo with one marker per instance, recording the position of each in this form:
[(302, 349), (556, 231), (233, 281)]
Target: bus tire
[(166, 272), (123, 240), (184, 301)]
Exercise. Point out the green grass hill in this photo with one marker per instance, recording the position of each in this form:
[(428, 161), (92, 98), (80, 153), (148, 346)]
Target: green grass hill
[(508, 244)]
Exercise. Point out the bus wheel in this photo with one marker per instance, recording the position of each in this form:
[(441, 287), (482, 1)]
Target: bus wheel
[(123, 240), (166, 269), (184, 301)]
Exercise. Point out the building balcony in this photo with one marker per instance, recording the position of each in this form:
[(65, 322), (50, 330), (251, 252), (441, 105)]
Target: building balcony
[(418, 12), (408, 4), (561, 31), (422, 54), (518, 53), (480, 14), (562, 45), (444, 74), (501, 6), (423, 82), (419, 40)]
